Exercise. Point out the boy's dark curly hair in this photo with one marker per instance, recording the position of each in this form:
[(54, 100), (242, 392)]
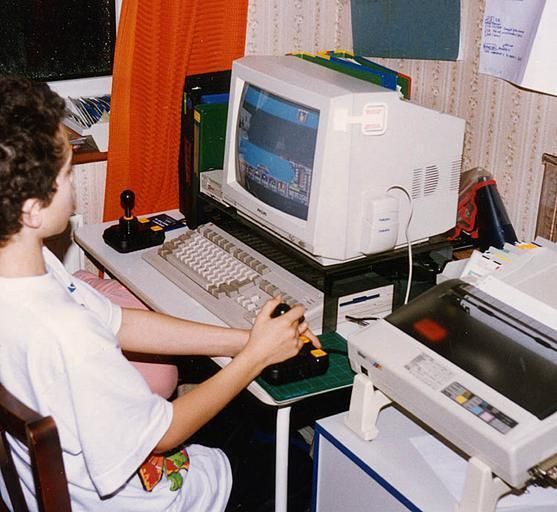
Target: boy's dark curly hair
[(32, 150)]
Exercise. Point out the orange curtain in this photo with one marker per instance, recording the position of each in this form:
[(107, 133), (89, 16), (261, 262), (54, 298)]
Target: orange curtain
[(158, 44)]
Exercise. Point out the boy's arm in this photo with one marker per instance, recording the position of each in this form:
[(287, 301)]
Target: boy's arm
[(270, 341), (155, 333)]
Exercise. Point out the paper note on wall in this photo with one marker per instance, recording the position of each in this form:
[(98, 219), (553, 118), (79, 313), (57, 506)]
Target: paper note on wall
[(519, 41)]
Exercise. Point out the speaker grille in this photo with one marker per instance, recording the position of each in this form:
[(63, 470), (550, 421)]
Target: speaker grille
[(431, 181), (417, 180), (454, 180)]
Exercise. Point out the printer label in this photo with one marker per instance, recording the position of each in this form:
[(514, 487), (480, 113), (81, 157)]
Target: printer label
[(479, 407), (429, 371)]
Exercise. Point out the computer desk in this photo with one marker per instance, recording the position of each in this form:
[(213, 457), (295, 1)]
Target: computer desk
[(161, 295)]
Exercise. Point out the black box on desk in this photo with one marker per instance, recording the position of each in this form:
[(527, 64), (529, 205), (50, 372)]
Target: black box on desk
[(209, 134), (199, 89)]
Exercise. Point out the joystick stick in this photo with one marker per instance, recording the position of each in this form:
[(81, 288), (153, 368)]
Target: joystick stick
[(128, 222), (280, 310), (130, 234), (309, 362)]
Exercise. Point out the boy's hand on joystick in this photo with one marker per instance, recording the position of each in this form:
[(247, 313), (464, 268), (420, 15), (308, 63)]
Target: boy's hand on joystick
[(310, 361), (303, 329)]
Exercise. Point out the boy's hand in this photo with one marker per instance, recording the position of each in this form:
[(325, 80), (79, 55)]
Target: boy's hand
[(304, 330), (273, 340), (303, 327)]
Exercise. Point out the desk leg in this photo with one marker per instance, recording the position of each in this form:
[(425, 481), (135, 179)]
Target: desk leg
[(281, 462)]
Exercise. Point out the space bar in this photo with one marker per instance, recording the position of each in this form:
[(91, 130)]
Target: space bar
[(188, 271)]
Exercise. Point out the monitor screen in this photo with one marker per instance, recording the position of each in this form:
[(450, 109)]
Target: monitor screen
[(319, 159), (276, 141)]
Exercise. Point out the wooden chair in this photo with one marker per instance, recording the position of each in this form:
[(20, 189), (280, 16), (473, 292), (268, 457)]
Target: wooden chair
[(40, 436)]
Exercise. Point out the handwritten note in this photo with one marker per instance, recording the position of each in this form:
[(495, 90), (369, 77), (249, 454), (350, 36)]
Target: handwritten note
[(519, 41)]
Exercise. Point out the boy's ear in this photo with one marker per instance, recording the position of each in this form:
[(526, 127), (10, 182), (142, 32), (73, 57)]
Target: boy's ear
[(31, 213)]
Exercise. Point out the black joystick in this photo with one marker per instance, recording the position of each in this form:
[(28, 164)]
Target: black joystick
[(280, 310), (309, 362), (130, 234), (127, 200), (128, 222)]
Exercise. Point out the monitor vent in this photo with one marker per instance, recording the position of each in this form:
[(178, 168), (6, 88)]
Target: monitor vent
[(417, 180), (431, 180), (426, 181), (454, 181)]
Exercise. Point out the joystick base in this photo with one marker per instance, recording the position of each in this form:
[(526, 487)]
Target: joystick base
[(141, 237)]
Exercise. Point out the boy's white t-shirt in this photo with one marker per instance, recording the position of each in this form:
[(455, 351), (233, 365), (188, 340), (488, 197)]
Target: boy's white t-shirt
[(60, 356)]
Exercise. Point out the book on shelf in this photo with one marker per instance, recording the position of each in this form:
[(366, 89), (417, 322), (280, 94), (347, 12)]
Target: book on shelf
[(84, 144), (89, 116)]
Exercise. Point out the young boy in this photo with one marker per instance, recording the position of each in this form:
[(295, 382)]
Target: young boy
[(61, 342)]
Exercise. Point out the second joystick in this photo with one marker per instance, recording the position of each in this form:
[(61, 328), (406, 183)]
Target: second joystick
[(128, 222), (131, 234)]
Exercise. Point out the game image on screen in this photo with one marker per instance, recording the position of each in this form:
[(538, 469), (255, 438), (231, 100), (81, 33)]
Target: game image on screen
[(276, 149)]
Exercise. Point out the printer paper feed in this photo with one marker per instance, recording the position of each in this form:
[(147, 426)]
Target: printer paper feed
[(488, 346)]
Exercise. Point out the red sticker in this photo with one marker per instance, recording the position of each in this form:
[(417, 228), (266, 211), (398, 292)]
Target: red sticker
[(430, 330)]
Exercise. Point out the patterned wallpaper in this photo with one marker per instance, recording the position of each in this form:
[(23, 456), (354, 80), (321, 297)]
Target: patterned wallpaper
[(507, 128)]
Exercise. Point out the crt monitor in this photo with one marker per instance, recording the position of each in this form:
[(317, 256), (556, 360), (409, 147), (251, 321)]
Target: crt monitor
[(338, 167)]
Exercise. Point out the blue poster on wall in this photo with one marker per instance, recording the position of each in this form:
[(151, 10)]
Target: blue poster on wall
[(407, 29)]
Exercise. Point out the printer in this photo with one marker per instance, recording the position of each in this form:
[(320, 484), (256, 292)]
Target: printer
[(474, 367)]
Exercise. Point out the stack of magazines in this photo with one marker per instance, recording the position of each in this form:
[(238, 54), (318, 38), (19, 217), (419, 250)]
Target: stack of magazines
[(82, 113)]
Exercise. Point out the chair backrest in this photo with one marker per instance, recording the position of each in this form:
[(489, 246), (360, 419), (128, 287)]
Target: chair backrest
[(40, 436)]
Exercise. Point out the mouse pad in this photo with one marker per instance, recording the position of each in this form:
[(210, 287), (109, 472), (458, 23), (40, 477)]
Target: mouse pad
[(339, 374)]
